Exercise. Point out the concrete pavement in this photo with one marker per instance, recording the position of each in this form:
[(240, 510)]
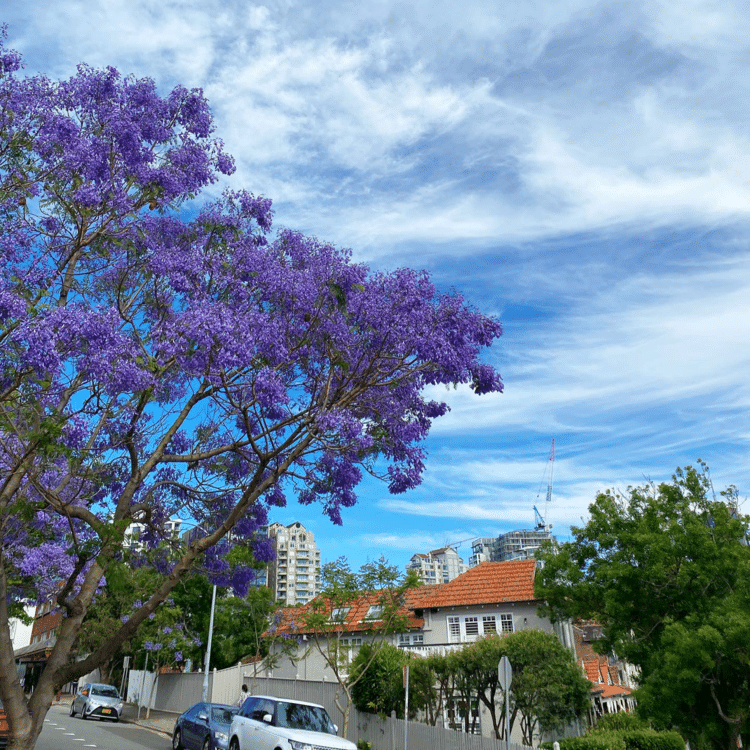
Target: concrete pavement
[(157, 721)]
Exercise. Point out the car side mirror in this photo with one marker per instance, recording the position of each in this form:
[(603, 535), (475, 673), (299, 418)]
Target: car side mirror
[(84, 692), (267, 718), (203, 716), (336, 728)]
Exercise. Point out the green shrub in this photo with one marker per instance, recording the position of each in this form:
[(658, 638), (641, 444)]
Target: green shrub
[(648, 739), (597, 741), (364, 745), (619, 722)]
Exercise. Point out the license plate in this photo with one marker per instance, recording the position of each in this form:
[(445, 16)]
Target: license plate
[(106, 710)]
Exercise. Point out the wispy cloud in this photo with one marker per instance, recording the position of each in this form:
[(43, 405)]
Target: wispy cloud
[(578, 168)]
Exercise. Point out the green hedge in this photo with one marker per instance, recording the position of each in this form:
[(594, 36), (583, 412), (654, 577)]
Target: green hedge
[(648, 739), (598, 741), (619, 722), (639, 739)]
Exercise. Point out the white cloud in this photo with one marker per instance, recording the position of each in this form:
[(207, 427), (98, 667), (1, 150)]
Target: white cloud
[(544, 154)]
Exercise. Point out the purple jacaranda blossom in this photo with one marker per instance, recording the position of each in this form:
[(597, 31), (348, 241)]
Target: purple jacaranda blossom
[(160, 363)]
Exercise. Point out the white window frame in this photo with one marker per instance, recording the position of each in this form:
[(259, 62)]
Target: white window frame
[(340, 614), (478, 625)]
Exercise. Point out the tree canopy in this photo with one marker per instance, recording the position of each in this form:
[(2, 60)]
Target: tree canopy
[(159, 359), (548, 691), (368, 603), (664, 568)]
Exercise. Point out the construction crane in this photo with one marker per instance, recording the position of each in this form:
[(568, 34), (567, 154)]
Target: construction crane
[(541, 520), (459, 543)]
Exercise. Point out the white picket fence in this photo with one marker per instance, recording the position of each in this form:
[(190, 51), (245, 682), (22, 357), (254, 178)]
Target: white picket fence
[(177, 692)]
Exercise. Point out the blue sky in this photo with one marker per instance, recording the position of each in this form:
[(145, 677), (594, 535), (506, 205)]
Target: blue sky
[(578, 169)]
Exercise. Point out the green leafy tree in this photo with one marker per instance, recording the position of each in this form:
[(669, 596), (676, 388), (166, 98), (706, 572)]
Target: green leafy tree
[(381, 688), (481, 660), (240, 624), (548, 691), (463, 695), (377, 590), (164, 639), (123, 586), (664, 569), (435, 671)]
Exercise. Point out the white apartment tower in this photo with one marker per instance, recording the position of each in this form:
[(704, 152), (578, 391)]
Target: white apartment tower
[(439, 566), (294, 576)]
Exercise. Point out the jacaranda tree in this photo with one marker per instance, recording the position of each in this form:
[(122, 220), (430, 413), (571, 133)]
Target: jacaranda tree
[(159, 362)]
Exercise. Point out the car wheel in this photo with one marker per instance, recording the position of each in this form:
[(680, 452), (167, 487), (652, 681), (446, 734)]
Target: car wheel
[(176, 740), (234, 744), (72, 709), (83, 712), (207, 743)]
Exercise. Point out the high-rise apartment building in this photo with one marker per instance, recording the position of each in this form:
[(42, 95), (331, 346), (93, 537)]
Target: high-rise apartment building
[(439, 566), (521, 544), (481, 550), (294, 576)]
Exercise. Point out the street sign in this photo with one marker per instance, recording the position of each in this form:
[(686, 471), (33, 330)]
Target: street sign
[(504, 673)]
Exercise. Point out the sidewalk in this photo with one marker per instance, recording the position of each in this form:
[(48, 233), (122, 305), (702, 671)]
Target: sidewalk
[(158, 721)]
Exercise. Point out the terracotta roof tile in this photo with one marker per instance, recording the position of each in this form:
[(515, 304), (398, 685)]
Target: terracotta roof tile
[(292, 619), (609, 691), (486, 583)]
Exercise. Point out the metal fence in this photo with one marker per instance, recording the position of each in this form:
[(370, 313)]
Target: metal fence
[(384, 734), (177, 692)]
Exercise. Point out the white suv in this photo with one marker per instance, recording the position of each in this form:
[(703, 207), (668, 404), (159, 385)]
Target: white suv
[(267, 723)]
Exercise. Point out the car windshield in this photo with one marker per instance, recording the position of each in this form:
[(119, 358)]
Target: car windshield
[(106, 690), (301, 716), (222, 714)]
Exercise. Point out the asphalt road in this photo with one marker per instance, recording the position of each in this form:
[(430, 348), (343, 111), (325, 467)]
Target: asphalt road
[(64, 732)]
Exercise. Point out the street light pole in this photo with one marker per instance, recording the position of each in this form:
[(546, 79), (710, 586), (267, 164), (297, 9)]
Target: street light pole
[(207, 665)]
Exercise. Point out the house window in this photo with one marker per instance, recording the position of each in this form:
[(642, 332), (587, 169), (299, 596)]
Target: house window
[(411, 639), (374, 612), (339, 614), (454, 629), (468, 628)]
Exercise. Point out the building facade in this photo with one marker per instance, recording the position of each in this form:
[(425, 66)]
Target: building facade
[(521, 544), (491, 598), (294, 576), (439, 566)]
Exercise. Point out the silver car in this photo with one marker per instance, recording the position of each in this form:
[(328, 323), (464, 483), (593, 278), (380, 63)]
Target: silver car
[(97, 701)]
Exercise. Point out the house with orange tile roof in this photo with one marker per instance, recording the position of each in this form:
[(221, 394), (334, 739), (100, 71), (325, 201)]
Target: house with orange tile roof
[(612, 681), (490, 598)]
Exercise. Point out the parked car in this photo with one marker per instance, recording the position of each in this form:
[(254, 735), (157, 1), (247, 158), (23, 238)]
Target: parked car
[(98, 701), (4, 729), (205, 726), (268, 723)]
